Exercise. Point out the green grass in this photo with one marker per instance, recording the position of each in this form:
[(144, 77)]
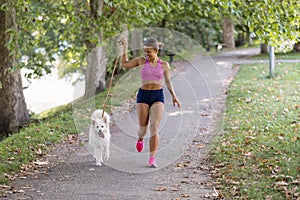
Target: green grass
[(289, 55), (258, 154)]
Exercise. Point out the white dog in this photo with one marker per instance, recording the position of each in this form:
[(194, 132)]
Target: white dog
[(99, 136)]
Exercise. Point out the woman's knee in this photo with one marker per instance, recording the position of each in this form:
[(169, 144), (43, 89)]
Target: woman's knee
[(142, 131), (154, 126)]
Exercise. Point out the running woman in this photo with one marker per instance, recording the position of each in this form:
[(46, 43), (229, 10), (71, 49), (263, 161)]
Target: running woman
[(150, 97)]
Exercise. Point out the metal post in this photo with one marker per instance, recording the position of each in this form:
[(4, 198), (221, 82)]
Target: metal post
[(272, 60)]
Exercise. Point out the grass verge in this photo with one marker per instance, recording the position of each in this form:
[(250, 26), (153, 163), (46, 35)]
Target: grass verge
[(258, 154), (283, 56)]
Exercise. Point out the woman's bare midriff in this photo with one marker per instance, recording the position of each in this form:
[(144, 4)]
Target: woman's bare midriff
[(151, 86)]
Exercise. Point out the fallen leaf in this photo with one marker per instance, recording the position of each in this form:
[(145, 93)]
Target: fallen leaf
[(294, 139), (216, 193), (18, 191), (10, 177), (234, 182), (280, 138), (183, 181), (2, 194), (263, 160), (248, 154), (181, 165), (27, 187), (296, 182), (41, 162), (39, 151), (161, 189), (222, 164), (281, 183), (247, 140), (185, 195), (203, 167), (4, 187), (269, 197)]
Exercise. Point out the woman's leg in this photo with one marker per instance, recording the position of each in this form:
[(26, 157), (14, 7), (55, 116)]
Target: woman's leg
[(156, 113), (143, 118)]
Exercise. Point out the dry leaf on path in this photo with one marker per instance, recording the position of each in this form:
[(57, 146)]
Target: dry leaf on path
[(38, 162), (185, 195), (160, 189)]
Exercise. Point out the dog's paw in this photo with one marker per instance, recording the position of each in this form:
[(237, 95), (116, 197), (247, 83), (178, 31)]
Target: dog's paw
[(98, 164), (106, 158)]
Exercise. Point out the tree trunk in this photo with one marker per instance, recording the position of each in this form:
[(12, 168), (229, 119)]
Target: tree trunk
[(14, 113), (228, 33), (296, 47), (249, 35), (96, 63), (272, 61), (95, 74), (264, 48), (207, 41)]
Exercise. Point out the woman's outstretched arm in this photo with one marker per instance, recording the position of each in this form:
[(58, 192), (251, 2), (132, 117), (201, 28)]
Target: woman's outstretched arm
[(169, 84)]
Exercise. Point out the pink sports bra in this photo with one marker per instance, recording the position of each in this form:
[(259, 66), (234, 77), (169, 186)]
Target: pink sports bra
[(152, 73)]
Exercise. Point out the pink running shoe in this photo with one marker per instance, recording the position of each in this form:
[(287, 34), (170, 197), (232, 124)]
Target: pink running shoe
[(152, 162), (139, 145)]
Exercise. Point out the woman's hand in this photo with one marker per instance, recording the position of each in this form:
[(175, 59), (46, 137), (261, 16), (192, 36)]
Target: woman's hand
[(176, 101), (123, 42)]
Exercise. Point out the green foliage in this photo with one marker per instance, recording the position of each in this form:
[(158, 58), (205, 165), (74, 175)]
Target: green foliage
[(258, 155), (48, 30), (198, 19), (274, 22)]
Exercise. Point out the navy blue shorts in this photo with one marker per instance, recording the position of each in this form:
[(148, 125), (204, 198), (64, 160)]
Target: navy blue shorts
[(150, 96)]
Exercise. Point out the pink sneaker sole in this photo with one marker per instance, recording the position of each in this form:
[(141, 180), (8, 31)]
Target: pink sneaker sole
[(139, 145)]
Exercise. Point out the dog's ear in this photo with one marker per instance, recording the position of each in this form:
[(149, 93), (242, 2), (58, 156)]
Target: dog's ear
[(106, 119), (93, 121)]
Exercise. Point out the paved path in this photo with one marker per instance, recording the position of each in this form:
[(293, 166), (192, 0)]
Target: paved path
[(182, 157)]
